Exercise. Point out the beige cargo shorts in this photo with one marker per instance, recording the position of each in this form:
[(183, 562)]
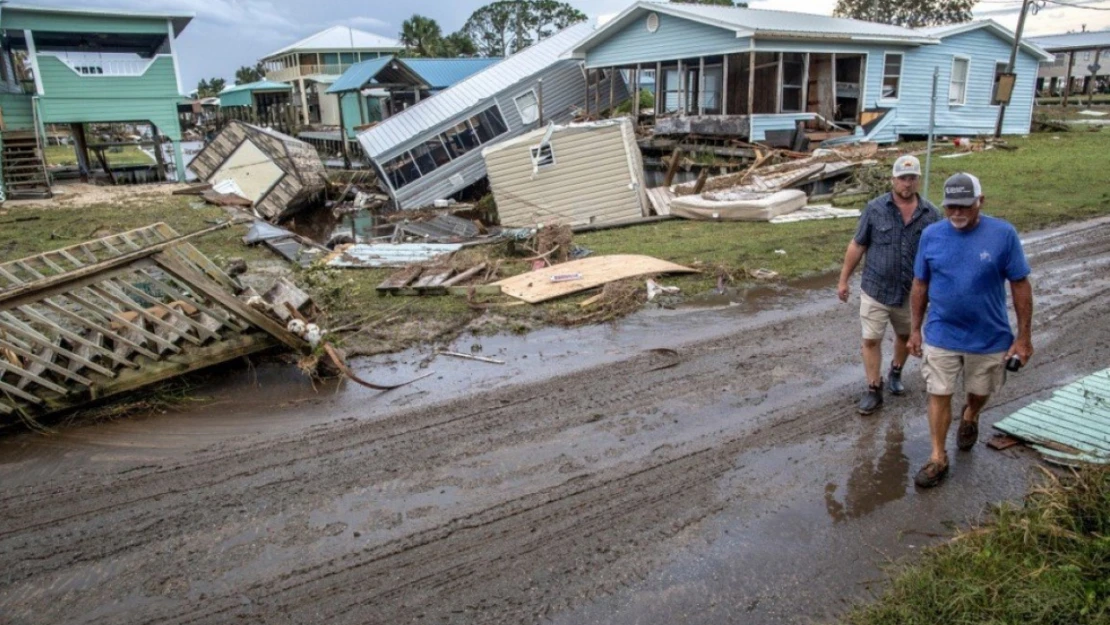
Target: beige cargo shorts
[(984, 374), (875, 316)]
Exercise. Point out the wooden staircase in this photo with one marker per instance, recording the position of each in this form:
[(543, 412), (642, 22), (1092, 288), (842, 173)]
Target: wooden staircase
[(25, 174)]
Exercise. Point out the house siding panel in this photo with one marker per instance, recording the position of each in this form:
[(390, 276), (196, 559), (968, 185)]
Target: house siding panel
[(14, 19), (978, 115), (675, 38), (71, 98), (17, 111), (236, 98), (787, 121), (590, 182)]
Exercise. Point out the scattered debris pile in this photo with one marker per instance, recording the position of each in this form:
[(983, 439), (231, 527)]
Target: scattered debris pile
[(272, 174), (115, 314), (774, 185)]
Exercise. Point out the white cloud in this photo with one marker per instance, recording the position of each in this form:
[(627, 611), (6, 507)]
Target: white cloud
[(368, 23)]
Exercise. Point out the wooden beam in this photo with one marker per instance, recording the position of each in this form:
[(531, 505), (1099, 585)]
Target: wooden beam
[(681, 88), (832, 69), (672, 168), (699, 89), (805, 83), (1067, 79), (199, 283), (612, 89), (1091, 82), (724, 85), (658, 81), (778, 85), (751, 85)]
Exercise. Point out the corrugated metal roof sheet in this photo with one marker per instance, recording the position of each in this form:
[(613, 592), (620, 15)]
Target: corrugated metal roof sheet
[(447, 104), (391, 254), (359, 74), (1070, 427), (340, 38), (443, 73), (261, 85), (180, 20), (762, 23), (1071, 41)]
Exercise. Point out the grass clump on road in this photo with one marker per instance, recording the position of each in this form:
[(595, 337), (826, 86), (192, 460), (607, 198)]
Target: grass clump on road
[(1047, 561)]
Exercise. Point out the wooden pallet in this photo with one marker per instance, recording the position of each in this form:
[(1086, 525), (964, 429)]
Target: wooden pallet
[(422, 280)]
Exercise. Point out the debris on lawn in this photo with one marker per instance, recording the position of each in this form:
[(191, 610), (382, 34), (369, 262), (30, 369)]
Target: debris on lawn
[(1072, 427), (577, 174), (738, 205), (361, 255), (816, 211), (118, 313), (654, 288), (537, 286), (291, 246), (437, 280), (277, 174)]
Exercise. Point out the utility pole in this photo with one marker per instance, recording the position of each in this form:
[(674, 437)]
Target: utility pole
[(1013, 61), (932, 129)]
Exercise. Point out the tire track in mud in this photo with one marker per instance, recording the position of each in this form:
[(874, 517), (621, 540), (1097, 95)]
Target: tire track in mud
[(538, 548)]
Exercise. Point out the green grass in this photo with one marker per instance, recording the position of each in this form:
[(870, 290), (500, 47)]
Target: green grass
[(1046, 562), (1047, 181), (58, 155)]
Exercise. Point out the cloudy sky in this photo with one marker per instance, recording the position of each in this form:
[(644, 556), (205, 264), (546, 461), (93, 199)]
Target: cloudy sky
[(226, 34)]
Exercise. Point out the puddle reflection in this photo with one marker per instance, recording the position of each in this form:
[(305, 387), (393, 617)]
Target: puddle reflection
[(875, 481)]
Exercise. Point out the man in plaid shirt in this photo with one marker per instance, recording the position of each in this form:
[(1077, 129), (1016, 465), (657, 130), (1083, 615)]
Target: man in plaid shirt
[(889, 230)]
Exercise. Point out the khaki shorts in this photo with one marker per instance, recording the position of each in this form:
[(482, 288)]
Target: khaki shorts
[(984, 374), (875, 316)]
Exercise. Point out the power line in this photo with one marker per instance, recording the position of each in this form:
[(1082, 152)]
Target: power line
[(1071, 5)]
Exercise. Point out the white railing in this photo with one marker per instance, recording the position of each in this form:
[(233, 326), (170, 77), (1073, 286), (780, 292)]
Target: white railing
[(106, 67), (292, 73)]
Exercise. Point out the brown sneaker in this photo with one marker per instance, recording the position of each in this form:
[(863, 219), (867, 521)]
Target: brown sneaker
[(931, 474), (968, 434)]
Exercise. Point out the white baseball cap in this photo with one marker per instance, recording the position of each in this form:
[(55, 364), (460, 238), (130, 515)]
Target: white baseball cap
[(907, 165)]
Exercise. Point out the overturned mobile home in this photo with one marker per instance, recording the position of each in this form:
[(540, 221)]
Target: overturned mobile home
[(276, 172), (433, 150), (577, 174)]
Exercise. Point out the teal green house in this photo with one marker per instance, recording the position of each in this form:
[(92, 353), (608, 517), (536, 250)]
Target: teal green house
[(258, 95), (82, 66)]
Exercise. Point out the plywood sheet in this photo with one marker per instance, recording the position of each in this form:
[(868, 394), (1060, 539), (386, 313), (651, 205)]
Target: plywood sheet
[(537, 286), (252, 169), (1072, 426)]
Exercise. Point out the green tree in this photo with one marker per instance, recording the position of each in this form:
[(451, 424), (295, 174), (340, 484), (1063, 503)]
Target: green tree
[(203, 89), (247, 74), (907, 13), (421, 36), (216, 85), (506, 26), (458, 44)]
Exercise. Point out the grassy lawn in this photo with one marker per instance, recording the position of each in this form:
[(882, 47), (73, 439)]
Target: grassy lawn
[(57, 155), (1047, 561), (1050, 179)]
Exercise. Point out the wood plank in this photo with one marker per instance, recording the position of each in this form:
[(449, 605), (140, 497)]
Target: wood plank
[(401, 278), (174, 312), (464, 275), (27, 375), (217, 294), (222, 317), (432, 278), (536, 286), (72, 336), (80, 379), (36, 338), (95, 327)]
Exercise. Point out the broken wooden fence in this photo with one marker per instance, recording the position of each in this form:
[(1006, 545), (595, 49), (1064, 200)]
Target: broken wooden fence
[(115, 314)]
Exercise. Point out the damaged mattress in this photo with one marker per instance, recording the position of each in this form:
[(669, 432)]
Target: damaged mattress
[(738, 205)]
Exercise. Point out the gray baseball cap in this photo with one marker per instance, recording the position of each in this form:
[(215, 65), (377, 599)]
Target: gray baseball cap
[(906, 166), (961, 189)]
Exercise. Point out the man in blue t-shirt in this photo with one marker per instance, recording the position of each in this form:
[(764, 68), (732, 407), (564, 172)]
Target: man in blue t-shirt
[(962, 266)]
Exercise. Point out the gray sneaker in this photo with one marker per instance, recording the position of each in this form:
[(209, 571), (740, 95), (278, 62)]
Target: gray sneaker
[(872, 400), (894, 382)]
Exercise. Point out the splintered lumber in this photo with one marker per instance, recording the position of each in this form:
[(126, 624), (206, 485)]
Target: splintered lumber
[(537, 286), (401, 279), (114, 314)]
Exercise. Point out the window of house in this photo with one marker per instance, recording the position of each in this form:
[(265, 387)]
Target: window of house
[(494, 121), (957, 85), (484, 132), (543, 156), (1000, 69), (892, 76), (1087, 55), (527, 106), (793, 69), (671, 90), (431, 155), (459, 140), (711, 89), (401, 170)]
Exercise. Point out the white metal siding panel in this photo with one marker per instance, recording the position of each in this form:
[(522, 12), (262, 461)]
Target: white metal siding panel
[(589, 183), (251, 169), (786, 121), (675, 38)]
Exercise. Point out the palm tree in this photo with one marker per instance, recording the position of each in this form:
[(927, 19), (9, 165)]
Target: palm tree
[(247, 74), (421, 35)]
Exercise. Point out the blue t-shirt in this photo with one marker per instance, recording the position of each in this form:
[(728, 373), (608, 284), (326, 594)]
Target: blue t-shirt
[(967, 274)]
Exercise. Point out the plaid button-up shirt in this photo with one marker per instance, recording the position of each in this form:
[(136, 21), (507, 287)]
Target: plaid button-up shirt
[(891, 247)]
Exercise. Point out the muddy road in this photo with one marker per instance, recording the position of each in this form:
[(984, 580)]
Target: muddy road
[(591, 479)]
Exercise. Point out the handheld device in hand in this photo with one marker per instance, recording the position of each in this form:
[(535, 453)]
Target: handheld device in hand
[(1014, 363)]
